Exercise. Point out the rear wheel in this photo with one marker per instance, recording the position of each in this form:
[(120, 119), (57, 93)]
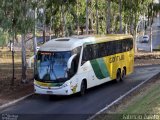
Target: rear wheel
[(118, 75), (83, 88), (123, 74)]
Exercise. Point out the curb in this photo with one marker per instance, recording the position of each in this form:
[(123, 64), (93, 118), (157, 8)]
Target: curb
[(123, 96), (15, 101)]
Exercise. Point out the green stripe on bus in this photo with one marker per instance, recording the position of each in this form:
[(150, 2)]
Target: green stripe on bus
[(103, 67), (97, 69)]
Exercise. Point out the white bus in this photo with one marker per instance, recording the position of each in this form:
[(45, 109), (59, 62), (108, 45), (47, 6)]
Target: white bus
[(65, 66)]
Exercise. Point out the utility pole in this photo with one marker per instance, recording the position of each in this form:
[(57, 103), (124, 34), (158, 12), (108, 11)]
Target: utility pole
[(87, 24)]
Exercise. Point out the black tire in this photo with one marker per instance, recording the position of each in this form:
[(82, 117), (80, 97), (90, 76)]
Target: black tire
[(123, 75), (118, 76), (83, 88)]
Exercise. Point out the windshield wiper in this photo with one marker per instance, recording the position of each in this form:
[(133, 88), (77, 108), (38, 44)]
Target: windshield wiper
[(66, 72), (52, 70)]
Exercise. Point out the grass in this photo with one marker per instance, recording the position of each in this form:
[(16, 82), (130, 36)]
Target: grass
[(147, 103), (144, 104)]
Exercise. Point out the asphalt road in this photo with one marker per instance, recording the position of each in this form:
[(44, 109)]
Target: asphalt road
[(77, 107)]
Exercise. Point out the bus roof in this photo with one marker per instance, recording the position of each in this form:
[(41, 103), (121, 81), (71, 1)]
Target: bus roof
[(69, 43)]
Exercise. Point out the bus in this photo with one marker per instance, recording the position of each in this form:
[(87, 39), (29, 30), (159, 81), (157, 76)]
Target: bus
[(65, 66)]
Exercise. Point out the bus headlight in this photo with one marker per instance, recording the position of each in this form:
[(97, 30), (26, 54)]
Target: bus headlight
[(65, 85)]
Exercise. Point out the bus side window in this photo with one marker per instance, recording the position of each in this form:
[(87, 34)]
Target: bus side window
[(123, 45), (102, 50), (108, 51), (130, 41), (111, 48), (95, 49), (119, 47), (128, 45), (85, 56)]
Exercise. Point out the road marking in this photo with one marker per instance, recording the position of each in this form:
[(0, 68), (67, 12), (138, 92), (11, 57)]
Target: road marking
[(121, 97), (15, 101)]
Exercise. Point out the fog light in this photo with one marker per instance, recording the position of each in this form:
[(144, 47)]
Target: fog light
[(66, 91)]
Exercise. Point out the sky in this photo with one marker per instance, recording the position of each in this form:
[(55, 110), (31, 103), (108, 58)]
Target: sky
[(156, 1)]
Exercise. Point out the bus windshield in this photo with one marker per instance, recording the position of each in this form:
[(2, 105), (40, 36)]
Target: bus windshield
[(52, 66)]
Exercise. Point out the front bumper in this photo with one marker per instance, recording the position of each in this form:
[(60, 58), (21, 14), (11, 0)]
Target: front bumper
[(53, 90)]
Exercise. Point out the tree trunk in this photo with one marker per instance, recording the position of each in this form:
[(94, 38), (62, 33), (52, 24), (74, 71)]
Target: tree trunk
[(44, 34), (44, 24), (35, 39), (108, 17), (12, 81), (63, 21), (87, 20), (24, 66), (77, 17), (50, 30), (136, 30), (120, 13), (97, 19)]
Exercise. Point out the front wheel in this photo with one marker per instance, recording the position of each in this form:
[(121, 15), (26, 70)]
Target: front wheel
[(83, 88)]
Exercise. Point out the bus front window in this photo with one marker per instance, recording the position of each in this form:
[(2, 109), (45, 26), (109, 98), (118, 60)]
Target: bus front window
[(52, 66)]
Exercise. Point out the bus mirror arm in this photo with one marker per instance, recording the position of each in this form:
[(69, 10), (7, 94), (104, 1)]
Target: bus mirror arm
[(70, 61)]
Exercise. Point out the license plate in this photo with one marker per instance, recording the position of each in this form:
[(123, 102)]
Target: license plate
[(49, 92)]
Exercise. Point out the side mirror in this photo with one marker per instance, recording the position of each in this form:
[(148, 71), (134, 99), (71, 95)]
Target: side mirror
[(70, 61)]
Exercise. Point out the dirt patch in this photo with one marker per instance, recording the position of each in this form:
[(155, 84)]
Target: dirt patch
[(10, 92), (142, 59), (146, 55)]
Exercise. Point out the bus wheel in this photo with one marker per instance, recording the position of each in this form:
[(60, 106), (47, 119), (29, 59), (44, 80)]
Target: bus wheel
[(118, 75), (83, 88), (123, 74)]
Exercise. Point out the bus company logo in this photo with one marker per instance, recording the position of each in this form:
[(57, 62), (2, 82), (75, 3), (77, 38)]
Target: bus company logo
[(49, 87), (140, 117), (9, 117), (116, 59)]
